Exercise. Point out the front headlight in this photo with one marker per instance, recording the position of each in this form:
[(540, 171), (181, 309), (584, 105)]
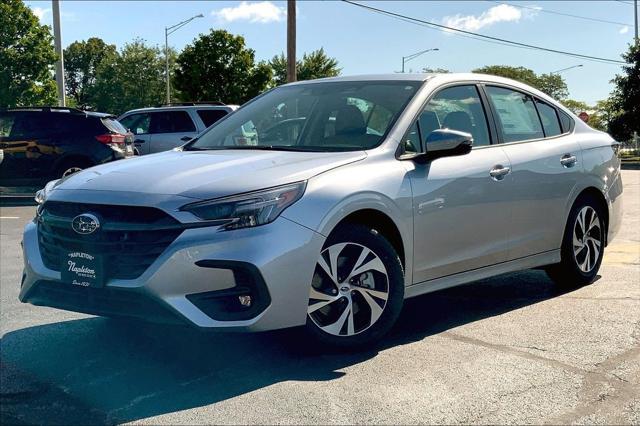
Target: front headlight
[(249, 209), (41, 196)]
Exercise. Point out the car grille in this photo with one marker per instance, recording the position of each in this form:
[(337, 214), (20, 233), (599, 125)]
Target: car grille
[(130, 238)]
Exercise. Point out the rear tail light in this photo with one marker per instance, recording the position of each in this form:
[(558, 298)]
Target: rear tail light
[(111, 138)]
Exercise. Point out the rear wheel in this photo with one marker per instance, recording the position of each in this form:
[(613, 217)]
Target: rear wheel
[(357, 289), (71, 166), (582, 246)]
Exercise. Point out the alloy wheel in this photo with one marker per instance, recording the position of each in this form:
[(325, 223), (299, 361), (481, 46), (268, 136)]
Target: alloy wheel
[(349, 291), (587, 239)]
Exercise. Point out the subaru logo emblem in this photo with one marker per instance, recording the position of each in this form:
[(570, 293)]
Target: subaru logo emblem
[(85, 223)]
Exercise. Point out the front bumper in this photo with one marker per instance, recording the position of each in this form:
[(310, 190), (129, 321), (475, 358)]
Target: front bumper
[(199, 263)]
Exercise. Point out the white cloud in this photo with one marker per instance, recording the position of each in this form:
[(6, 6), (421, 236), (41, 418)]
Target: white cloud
[(262, 12), (624, 30), (495, 14), (40, 12)]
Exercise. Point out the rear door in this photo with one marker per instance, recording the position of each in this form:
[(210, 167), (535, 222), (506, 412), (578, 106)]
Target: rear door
[(170, 129), (139, 124), (460, 210), (545, 161), (27, 145)]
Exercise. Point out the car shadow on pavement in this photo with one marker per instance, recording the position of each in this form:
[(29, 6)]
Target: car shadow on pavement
[(99, 370)]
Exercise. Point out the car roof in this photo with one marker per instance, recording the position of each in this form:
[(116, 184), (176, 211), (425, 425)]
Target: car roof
[(435, 78), (416, 77), (183, 108), (62, 110)]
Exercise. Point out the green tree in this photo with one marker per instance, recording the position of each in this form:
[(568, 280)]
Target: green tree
[(600, 115), (625, 99), (435, 70), (26, 57), (219, 67), (576, 107), (133, 78), (81, 61), (551, 84), (312, 65)]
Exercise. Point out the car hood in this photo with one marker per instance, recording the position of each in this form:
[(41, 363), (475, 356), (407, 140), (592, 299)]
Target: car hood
[(206, 174)]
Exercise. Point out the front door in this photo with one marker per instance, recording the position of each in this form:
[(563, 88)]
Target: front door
[(460, 209)]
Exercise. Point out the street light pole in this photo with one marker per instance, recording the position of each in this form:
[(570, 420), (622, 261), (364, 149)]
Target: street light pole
[(291, 41), (57, 35), (170, 30), (415, 55), (565, 69)]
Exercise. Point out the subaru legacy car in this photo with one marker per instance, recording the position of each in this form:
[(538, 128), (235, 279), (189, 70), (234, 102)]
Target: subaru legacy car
[(357, 193)]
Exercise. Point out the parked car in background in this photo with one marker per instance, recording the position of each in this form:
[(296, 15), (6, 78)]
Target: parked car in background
[(358, 193), (165, 127), (43, 143)]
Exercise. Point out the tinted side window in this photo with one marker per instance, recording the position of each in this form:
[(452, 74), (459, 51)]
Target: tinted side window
[(549, 118), (171, 122), (210, 116), (30, 125), (6, 124), (456, 108), (137, 123), (517, 114), (565, 121)]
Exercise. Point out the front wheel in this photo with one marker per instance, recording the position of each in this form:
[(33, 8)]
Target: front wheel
[(357, 289), (582, 246)]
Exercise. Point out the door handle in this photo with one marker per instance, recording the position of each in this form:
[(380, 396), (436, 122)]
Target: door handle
[(568, 160), (499, 172), (139, 141)]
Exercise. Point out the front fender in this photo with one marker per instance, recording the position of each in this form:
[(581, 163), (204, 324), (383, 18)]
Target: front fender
[(332, 196)]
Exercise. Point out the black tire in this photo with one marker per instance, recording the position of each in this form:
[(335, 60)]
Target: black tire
[(361, 236), (568, 274), (70, 164)]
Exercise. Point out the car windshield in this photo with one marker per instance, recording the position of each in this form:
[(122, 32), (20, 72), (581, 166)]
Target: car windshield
[(323, 117)]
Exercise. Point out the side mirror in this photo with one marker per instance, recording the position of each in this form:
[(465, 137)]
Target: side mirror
[(443, 143)]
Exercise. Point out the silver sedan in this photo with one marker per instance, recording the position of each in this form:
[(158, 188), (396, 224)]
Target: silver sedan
[(354, 194)]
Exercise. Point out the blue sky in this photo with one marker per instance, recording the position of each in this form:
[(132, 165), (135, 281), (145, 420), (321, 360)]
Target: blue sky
[(365, 42)]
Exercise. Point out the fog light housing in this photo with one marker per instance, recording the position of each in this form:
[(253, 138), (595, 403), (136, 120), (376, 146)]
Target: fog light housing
[(245, 300)]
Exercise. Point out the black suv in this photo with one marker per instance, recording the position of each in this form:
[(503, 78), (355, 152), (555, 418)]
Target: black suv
[(39, 144)]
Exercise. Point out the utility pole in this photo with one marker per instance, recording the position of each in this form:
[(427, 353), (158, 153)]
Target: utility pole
[(635, 18), (291, 41), (57, 34)]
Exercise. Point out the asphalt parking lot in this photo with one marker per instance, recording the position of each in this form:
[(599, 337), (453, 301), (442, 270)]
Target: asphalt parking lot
[(510, 349)]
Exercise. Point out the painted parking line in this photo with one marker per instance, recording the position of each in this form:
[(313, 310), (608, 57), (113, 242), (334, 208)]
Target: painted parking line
[(9, 217)]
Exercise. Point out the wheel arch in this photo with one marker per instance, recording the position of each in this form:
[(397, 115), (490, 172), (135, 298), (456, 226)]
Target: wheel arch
[(599, 197), (68, 159), (381, 223)]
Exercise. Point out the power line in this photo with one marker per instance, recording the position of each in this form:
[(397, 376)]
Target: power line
[(482, 37), (555, 12), (624, 2)]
